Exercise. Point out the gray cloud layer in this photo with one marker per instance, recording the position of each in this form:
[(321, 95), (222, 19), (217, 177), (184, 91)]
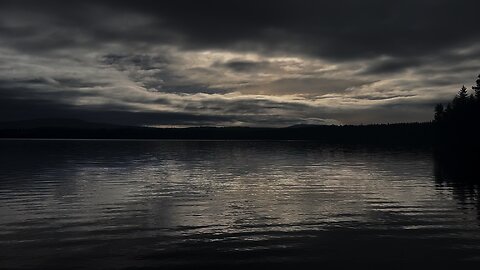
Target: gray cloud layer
[(257, 63)]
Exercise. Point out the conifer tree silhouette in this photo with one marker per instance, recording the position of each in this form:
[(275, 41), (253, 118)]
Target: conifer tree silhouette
[(476, 88), (461, 117)]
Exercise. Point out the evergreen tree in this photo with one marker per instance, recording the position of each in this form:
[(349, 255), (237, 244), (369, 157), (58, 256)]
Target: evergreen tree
[(448, 112), (461, 98), (439, 111), (471, 100), (476, 88), (461, 117)]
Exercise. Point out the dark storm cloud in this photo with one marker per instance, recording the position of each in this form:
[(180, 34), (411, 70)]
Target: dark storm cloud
[(141, 61), (340, 29), (16, 109), (152, 72), (245, 66), (390, 66), (333, 29), (384, 97), (313, 86)]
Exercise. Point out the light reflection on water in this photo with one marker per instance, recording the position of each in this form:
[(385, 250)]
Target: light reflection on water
[(115, 204)]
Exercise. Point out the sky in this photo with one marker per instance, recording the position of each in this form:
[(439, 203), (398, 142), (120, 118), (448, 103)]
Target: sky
[(235, 63)]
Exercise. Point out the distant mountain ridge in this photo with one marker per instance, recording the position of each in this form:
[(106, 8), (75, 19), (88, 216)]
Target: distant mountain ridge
[(304, 126), (419, 134)]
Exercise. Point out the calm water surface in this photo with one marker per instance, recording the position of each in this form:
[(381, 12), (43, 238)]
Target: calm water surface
[(134, 204)]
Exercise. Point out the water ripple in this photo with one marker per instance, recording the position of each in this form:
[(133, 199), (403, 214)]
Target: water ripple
[(115, 204)]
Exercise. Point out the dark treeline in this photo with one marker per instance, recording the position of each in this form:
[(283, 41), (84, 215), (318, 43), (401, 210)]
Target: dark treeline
[(403, 134), (457, 141), (458, 122)]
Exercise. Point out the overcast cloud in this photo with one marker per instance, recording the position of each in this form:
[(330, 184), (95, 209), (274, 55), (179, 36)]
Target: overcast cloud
[(249, 63)]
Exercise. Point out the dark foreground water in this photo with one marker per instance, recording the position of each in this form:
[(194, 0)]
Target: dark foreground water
[(128, 204)]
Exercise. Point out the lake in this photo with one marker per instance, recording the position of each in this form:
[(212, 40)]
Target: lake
[(83, 204)]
